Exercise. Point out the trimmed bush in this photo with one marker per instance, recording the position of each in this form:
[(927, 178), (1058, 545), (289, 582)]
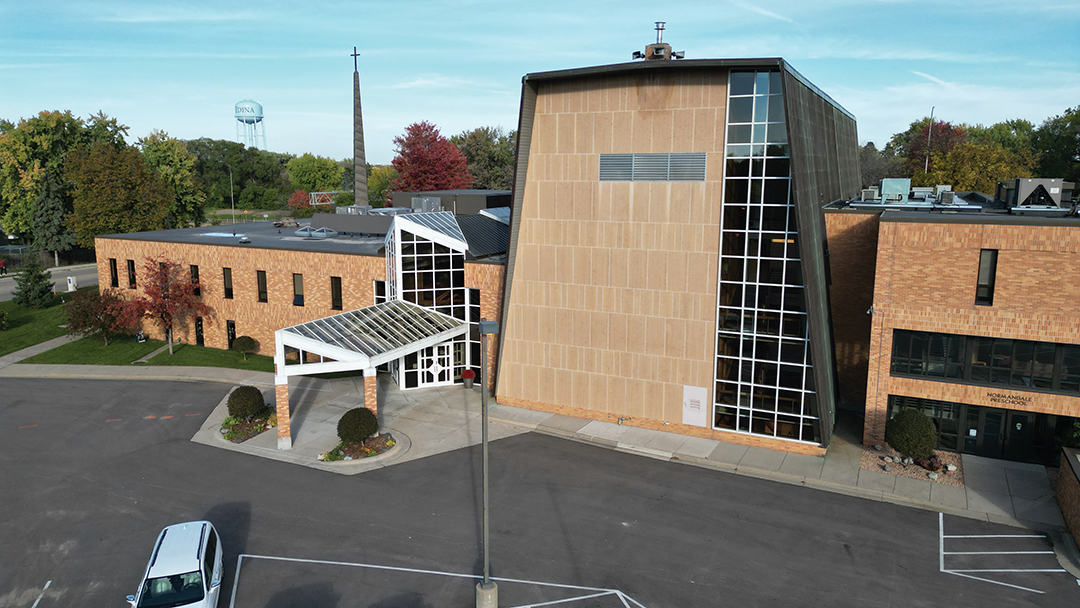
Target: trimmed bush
[(912, 433), (357, 425), (4, 323), (245, 345), (246, 401)]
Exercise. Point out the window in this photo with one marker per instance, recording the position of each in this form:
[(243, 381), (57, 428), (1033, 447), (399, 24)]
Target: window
[(298, 290), (226, 275), (380, 292), (335, 293), (131, 274), (984, 291), (209, 558), (195, 279), (260, 278), (114, 275), (230, 332)]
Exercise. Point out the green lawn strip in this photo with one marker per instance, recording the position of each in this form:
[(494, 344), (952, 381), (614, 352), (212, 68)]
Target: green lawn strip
[(189, 355), (28, 327), (91, 350)]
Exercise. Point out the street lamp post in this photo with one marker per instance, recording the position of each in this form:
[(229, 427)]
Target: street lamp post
[(487, 592)]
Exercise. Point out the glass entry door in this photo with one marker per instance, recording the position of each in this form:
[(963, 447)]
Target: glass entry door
[(436, 367)]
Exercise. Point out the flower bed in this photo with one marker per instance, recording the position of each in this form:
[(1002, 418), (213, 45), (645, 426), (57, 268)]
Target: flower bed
[(372, 446), (874, 460), (239, 430)]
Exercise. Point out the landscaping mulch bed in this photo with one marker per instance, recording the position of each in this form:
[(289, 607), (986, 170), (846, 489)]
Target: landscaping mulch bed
[(873, 460), (372, 446), (245, 429)]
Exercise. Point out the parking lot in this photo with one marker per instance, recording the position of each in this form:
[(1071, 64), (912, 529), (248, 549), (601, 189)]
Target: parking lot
[(92, 470)]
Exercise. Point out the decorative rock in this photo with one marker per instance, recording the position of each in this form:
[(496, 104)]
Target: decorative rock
[(909, 460), (224, 431), (878, 447), (887, 458), (348, 458), (950, 467), (933, 476), (887, 467), (322, 456)]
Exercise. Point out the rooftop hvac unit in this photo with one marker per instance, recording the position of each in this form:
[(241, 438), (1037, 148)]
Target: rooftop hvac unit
[(895, 190), (1038, 193), (947, 197), (869, 194)]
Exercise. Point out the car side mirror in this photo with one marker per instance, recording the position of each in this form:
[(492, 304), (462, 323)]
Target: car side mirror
[(130, 599), (214, 584)]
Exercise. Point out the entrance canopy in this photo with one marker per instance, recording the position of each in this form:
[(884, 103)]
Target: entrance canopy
[(365, 338)]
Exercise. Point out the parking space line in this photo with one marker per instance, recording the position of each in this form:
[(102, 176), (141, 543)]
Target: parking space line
[(1010, 570), (43, 590), (598, 590), (966, 572), (190, 415), (999, 552), (993, 535), (113, 419)]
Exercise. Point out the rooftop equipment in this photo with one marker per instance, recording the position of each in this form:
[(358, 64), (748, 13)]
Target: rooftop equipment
[(895, 190)]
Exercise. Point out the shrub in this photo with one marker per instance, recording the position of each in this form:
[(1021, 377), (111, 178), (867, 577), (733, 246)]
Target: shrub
[(4, 323), (357, 425), (245, 345), (246, 401), (912, 433)]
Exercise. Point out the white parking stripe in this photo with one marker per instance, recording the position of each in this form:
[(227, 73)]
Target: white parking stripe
[(998, 552), (43, 590)]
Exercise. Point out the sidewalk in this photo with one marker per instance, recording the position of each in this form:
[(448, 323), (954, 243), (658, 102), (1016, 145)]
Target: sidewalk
[(432, 421)]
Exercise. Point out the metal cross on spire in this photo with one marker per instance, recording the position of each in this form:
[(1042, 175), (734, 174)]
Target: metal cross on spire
[(354, 56)]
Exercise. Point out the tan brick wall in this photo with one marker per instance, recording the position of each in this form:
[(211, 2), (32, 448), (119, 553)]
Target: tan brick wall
[(613, 307), (852, 240), (1068, 494), (925, 280), (260, 320)]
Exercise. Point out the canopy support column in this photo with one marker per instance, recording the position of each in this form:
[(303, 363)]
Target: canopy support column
[(281, 398), (371, 391)]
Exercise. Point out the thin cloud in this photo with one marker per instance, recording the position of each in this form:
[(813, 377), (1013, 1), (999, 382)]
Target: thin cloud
[(929, 77), (763, 12), (177, 15)]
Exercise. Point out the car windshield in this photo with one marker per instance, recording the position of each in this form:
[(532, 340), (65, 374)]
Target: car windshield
[(175, 590)]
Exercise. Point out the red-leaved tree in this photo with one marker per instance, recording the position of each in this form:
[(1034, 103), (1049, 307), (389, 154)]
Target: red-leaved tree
[(428, 161), (169, 295), (93, 313)]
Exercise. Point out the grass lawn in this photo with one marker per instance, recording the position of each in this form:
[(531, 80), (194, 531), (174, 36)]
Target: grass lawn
[(91, 350), (28, 327), (187, 354)]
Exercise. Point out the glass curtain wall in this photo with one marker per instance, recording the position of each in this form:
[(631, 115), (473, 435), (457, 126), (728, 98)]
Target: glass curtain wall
[(764, 381), (432, 275)]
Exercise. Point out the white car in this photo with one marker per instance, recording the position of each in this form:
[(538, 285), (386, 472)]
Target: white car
[(184, 569)]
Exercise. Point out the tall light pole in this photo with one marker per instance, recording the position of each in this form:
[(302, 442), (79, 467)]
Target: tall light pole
[(232, 201), (926, 167), (487, 592)]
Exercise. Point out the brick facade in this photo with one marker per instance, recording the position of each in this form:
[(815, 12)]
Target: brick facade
[(852, 237), (1068, 490), (925, 280)]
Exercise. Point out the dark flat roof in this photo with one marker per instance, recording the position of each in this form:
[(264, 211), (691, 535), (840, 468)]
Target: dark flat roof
[(263, 235)]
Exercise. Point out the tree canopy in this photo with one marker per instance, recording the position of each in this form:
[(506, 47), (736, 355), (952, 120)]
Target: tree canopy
[(51, 209), (259, 177), (490, 153), (426, 160), (115, 192), (315, 173), (99, 313), (176, 165), (169, 295), (380, 184)]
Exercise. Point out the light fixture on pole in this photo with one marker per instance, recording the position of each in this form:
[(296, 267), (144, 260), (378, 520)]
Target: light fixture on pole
[(487, 592)]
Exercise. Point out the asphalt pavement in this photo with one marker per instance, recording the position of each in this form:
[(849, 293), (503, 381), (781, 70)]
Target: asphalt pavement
[(85, 275), (93, 469)]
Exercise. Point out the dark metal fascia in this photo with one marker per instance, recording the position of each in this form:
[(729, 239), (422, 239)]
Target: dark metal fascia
[(639, 66)]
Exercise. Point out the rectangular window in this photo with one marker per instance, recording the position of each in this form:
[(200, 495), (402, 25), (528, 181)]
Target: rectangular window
[(114, 275), (195, 279), (335, 293), (230, 332), (260, 278), (298, 290), (380, 292), (984, 292), (131, 274), (226, 276)]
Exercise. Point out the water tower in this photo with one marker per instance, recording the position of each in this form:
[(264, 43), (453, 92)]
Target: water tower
[(249, 117)]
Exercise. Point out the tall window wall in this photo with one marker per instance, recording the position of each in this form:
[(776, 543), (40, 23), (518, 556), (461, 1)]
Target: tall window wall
[(764, 380)]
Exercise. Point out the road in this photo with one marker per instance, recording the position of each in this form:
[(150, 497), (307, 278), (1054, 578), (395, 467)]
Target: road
[(91, 470), (85, 274)]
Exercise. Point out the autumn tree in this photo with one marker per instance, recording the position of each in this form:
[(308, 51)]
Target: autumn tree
[(425, 160), (314, 173), (490, 153), (169, 295), (37, 145), (978, 167), (917, 154), (380, 185), (171, 158), (115, 192), (99, 313)]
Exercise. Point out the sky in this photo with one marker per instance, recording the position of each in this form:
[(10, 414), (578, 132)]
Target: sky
[(181, 66)]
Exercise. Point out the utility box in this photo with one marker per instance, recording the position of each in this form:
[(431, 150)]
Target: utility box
[(73, 284)]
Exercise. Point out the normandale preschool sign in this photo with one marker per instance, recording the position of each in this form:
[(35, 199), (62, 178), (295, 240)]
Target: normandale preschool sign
[(1004, 399)]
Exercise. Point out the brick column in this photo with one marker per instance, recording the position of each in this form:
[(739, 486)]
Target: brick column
[(281, 397), (371, 391)]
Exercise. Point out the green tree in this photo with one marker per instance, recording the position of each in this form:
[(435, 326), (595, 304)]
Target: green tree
[(115, 192), (1057, 141), (50, 214), (176, 165), (876, 164), (37, 145), (380, 184), (978, 167), (34, 286), (491, 154), (250, 168), (315, 173), (912, 148), (98, 313), (1015, 136), (426, 160), (169, 295)]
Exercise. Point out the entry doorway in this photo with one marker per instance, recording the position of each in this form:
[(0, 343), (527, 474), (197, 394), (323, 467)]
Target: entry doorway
[(1000, 433), (436, 368)]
